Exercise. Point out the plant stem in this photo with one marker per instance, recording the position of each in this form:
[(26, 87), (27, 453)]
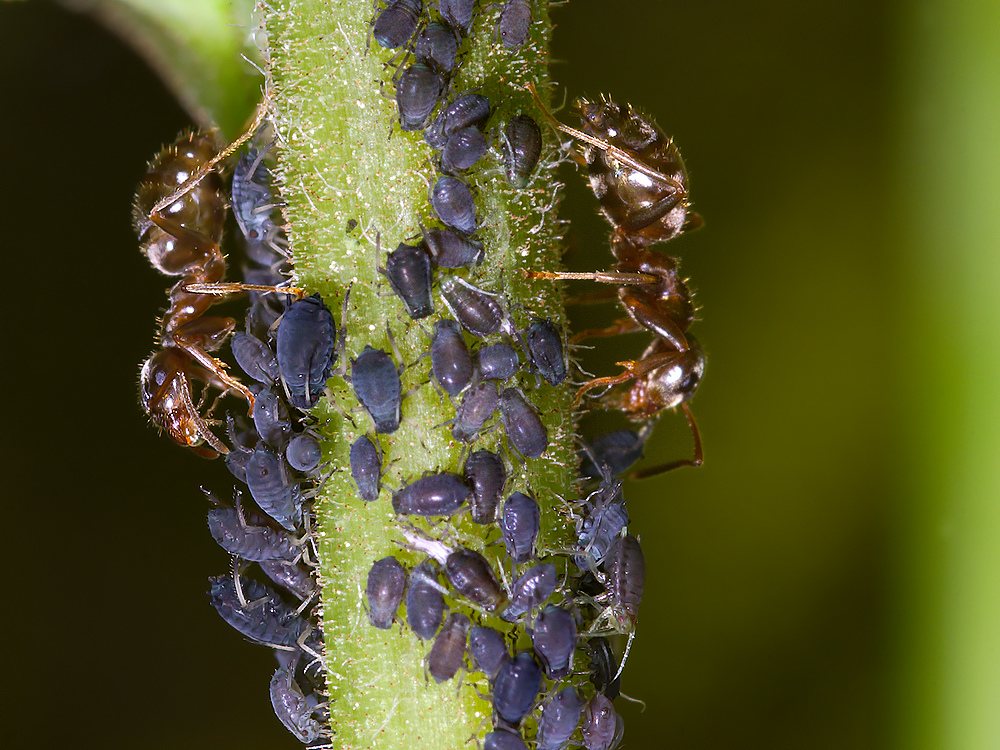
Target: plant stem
[(351, 181)]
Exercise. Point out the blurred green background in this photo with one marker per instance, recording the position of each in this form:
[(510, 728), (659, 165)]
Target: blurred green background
[(830, 577)]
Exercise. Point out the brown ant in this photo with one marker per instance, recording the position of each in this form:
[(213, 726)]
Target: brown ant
[(179, 215), (638, 176)]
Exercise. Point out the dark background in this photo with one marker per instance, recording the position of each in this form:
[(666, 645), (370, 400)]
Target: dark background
[(763, 624)]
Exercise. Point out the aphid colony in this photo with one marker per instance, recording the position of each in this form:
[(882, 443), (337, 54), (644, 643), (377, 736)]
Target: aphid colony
[(535, 623)]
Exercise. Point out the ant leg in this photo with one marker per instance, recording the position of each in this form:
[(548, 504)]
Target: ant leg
[(697, 460), (603, 295), (656, 321), (633, 369), (622, 325), (223, 288), (620, 278)]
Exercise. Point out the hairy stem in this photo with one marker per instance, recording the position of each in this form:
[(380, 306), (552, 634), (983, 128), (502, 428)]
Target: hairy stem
[(354, 186)]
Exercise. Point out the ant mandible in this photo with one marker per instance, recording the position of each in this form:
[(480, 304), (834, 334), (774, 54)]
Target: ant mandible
[(179, 216), (639, 178)]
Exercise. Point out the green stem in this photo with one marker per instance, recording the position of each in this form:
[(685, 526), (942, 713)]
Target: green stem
[(347, 177)]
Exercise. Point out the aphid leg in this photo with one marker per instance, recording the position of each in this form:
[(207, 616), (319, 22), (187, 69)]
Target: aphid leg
[(628, 647)]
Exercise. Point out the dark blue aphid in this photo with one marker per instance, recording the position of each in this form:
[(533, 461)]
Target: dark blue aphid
[(530, 591), (437, 45), (384, 591), (434, 495), (520, 523), (488, 650), (554, 640), (266, 619), (486, 475), (448, 652), (273, 487), (293, 708), (291, 576), (606, 518), (424, 603), (497, 362), (602, 726), (545, 351), (303, 453), (270, 417), (617, 450), (366, 468), (453, 250), (603, 666), (409, 270), (462, 150), (465, 111), (417, 92), (502, 739), (458, 14), (451, 362), (306, 338), (516, 688), (248, 541), (254, 357), (477, 311), (453, 203), (515, 21), (472, 576), (624, 578), (560, 718), (478, 405), (375, 379), (525, 431), (396, 24), (253, 203), (521, 147)]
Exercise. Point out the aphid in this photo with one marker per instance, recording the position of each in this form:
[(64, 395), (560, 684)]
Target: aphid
[(477, 311), (606, 517), (496, 362), (516, 687), (603, 666), (465, 111), (305, 349), (448, 652), (530, 591), (525, 430), (472, 576), (453, 250), (478, 405), (617, 451), (250, 541), (559, 719), (182, 239), (265, 618), (384, 591), (554, 640), (366, 468), (417, 92), (291, 576), (514, 23), (486, 474), (253, 202), (520, 523), (521, 146), (502, 739), (545, 350), (433, 495), (409, 271), (451, 362), (303, 453), (488, 650), (453, 203), (273, 487), (294, 709), (436, 44), (254, 357), (458, 14), (270, 417), (424, 603), (602, 727), (375, 379), (624, 579), (397, 22), (638, 176), (462, 150)]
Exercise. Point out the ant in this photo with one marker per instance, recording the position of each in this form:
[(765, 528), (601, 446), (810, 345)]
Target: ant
[(638, 176), (179, 216)]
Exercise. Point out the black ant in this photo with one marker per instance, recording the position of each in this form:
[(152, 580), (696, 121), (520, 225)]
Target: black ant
[(638, 176), (179, 215)]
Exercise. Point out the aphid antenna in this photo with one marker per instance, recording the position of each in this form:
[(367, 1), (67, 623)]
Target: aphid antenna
[(618, 154)]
